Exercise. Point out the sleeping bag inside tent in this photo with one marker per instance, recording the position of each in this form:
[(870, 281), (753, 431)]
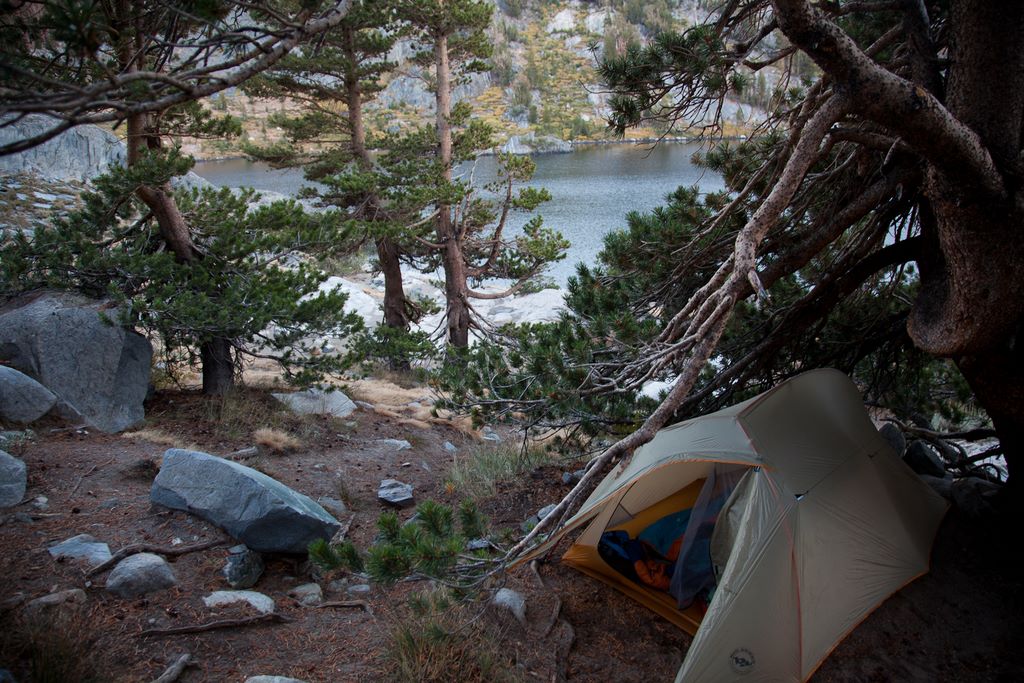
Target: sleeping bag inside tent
[(767, 530)]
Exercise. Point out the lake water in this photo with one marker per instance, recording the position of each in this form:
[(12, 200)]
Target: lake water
[(592, 189)]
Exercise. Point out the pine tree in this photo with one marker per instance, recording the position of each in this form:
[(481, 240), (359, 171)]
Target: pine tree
[(144, 64), (468, 238), (240, 291), (333, 78)]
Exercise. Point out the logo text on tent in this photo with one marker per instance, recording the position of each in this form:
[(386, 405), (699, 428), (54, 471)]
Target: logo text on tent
[(742, 660)]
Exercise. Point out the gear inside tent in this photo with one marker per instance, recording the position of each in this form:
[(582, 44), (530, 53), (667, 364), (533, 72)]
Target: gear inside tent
[(767, 530)]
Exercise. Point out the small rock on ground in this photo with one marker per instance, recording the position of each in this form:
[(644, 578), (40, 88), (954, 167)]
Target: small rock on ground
[(397, 444), (243, 568), (82, 547), (308, 594), (514, 602), (13, 480), (450, 447), (360, 590), (923, 459), (394, 492), (272, 679), (545, 511), (572, 478), (263, 604), (140, 574), (74, 596), (894, 437), (332, 505)]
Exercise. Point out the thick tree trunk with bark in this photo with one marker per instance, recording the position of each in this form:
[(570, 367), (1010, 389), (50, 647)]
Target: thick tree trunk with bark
[(971, 306), (968, 135), (455, 287), (218, 366)]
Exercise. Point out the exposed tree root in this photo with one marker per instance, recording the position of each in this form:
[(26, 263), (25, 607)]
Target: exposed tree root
[(214, 625)]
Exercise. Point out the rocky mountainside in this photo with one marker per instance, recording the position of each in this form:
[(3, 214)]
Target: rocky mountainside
[(543, 81)]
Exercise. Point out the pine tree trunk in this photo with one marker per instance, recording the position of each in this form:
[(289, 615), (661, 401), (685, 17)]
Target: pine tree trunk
[(455, 287), (970, 306), (395, 312), (218, 367), (395, 309)]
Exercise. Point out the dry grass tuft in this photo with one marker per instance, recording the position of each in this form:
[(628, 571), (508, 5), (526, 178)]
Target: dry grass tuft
[(158, 437), (54, 646), (275, 440), (477, 472)]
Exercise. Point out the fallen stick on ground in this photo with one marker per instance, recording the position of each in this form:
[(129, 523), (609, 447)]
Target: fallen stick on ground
[(151, 548), (175, 670), (214, 625)]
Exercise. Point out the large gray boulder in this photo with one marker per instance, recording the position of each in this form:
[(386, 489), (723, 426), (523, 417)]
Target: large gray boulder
[(78, 154), (99, 371), (259, 511), (22, 399), (13, 479)]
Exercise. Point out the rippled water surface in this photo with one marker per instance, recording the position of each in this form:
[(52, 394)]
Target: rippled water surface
[(592, 189)]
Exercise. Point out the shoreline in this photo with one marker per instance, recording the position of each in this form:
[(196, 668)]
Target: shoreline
[(680, 140)]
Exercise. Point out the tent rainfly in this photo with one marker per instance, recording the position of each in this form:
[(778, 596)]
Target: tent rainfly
[(767, 530)]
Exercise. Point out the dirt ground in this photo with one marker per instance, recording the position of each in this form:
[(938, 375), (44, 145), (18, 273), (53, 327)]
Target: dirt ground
[(961, 622)]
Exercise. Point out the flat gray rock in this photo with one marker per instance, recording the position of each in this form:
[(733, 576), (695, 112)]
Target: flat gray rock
[(263, 604), (82, 547), (261, 512), (140, 574), (98, 371), (397, 444), (273, 679), (394, 492), (22, 399), (317, 402), (510, 600), (13, 480)]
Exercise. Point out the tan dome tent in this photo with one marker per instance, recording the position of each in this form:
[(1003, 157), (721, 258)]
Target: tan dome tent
[(767, 530)]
